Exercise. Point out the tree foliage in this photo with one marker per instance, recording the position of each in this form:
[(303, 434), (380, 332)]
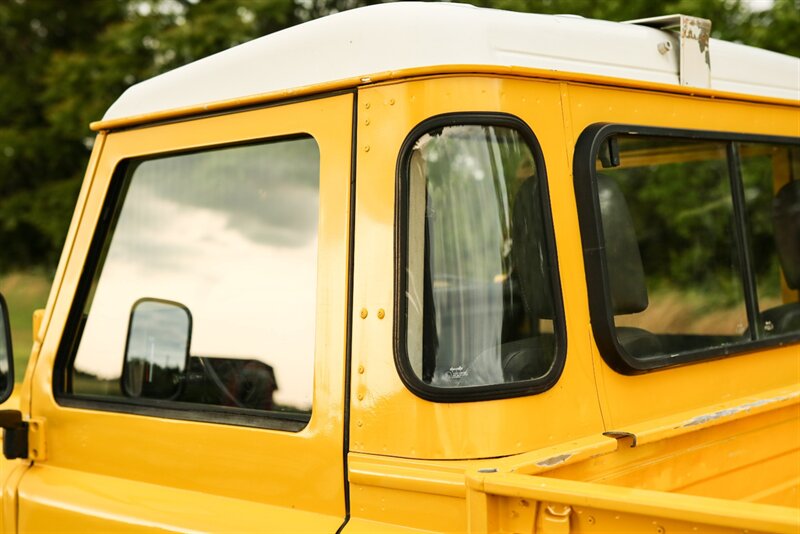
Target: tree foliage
[(64, 63)]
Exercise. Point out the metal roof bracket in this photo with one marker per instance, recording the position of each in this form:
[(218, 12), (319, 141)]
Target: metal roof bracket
[(694, 34)]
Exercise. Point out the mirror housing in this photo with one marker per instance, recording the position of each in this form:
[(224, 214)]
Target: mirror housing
[(6, 353), (157, 349)]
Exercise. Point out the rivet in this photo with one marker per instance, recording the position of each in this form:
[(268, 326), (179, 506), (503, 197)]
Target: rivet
[(590, 520), (381, 314), (360, 396), (366, 148), (364, 313), (359, 423), (361, 369), (366, 122), (366, 105), (391, 101), (660, 529)]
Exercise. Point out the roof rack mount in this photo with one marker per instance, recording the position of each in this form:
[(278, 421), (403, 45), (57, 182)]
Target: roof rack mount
[(694, 57)]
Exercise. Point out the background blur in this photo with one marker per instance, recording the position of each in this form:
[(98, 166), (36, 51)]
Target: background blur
[(64, 63)]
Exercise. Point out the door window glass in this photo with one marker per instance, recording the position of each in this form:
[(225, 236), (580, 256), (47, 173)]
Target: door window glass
[(204, 295)]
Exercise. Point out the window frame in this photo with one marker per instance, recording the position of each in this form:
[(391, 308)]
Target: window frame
[(5, 325), (593, 244), (402, 362), (68, 347)]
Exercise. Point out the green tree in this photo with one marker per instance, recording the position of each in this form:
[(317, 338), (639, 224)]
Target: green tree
[(776, 29), (66, 62), (39, 163), (733, 20)]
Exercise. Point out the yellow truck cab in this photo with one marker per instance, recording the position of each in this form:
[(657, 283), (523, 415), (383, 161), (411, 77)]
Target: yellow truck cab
[(428, 267)]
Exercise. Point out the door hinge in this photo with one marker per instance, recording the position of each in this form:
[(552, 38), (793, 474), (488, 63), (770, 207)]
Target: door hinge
[(36, 443), (22, 438)]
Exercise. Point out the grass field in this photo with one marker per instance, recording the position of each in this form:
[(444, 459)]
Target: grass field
[(24, 292)]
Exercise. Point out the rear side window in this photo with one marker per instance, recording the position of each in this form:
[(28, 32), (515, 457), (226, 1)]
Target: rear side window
[(203, 284), (481, 315), (698, 245)]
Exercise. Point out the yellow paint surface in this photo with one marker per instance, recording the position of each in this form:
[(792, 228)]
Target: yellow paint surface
[(718, 441), (126, 471)]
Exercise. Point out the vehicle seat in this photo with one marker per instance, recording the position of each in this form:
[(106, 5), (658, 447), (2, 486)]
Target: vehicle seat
[(786, 222), (626, 278), (529, 252), (531, 357), (527, 358)]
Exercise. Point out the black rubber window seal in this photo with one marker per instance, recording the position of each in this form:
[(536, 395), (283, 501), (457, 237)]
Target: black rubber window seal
[(593, 244), (407, 374)]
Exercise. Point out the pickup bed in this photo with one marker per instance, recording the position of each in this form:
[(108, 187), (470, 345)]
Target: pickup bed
[(735, 468), (731, 470)]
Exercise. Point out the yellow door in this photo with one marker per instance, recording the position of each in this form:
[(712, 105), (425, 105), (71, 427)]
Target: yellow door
[(192, 368)]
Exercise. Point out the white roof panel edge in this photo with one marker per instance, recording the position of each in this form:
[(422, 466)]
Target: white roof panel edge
[(391, 37)]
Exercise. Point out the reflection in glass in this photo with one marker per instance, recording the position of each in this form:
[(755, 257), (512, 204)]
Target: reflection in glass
[(771, 177), (157, 350), (479, 306), (231, 234), (674, 269)]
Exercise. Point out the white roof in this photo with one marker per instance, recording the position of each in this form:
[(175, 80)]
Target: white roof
[(390, 37)]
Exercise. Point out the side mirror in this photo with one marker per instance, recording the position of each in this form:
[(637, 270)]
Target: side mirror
[(157, 349), (6, 354)]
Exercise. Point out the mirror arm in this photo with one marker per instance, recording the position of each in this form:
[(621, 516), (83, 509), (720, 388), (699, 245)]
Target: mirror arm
[(15, 434)]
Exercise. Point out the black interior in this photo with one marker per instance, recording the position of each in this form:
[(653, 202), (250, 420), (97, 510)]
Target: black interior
[(786, 222), (526, 353), (627, 284), (531, 353)]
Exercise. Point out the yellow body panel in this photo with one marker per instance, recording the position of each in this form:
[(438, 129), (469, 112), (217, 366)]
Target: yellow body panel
[(692, 386), (717, 443), (386, 418), (66, 500), (743, 466), (412, 72), (118, 460), (499, 502), (739, 452)]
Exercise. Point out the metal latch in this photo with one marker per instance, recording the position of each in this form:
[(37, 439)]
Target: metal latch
[(22, 439), (694, 35), (553, 518)]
